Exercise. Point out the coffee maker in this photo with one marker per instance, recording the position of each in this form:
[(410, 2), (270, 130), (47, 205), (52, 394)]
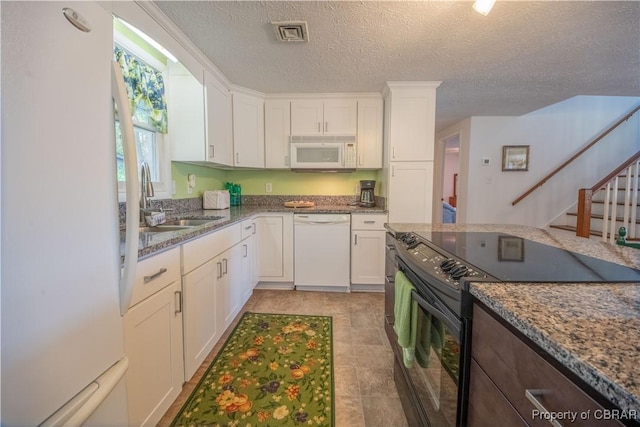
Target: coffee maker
[(367, 199)]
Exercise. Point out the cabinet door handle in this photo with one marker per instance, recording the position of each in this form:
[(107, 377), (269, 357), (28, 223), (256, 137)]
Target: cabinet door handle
[(319, 127), (355, 240), (219, 264), (160, 272), (253, 224), (246, 251), (238, 158), (178, 297), (393, 152), (326, 126), (532, 396), (393, 171), (211, 151), (224, 264)]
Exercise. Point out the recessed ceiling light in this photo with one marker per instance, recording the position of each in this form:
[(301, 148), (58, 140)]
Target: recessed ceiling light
[(291, 31)]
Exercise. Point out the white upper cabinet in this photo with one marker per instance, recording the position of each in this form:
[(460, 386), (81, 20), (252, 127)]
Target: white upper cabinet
[(369, 134), (185, 109), (324, 117), (219, 143), (412, 121), (248, 130), (277, 130), (199, 110)]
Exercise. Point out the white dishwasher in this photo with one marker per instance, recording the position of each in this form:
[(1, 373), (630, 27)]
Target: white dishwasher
[(322, 251)]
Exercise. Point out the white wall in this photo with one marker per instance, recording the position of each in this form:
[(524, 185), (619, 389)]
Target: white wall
[(554, 134)]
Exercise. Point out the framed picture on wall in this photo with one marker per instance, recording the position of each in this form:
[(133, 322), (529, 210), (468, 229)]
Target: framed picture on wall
[(515, 158)]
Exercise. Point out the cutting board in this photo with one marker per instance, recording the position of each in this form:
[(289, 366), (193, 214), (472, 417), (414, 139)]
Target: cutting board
[(299, 204)]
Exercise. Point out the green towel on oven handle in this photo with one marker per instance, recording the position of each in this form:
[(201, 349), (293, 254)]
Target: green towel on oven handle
[(430, 335), (405, 311)]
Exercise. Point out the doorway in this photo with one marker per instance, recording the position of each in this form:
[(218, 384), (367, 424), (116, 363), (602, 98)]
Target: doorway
[(450, 188)]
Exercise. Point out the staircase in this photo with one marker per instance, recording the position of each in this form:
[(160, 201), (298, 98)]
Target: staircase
[(610, 204), (610, 199)]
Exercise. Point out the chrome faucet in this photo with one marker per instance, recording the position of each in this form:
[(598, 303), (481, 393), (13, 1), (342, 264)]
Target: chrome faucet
[(147, 189)]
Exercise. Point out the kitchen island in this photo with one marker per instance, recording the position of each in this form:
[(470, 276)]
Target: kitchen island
[(589, 330)]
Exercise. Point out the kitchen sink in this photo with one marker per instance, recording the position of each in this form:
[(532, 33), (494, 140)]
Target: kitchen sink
[(187, 222), (163, 228), (179, 224)]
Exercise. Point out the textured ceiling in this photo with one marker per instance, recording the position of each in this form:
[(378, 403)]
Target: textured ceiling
[(523, 56)]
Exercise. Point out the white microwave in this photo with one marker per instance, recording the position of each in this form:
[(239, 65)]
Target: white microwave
[(323, 153)]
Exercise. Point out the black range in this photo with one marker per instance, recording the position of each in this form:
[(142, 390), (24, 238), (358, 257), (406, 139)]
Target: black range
[(440, 265), (447, 260)]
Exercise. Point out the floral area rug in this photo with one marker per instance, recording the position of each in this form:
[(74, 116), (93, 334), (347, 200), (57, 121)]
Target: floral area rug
[(274, 370)]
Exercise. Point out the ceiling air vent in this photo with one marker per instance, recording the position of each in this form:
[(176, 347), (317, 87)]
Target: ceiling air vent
[(291, 31)]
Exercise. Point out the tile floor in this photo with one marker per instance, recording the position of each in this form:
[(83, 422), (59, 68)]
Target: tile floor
[(365, 393)]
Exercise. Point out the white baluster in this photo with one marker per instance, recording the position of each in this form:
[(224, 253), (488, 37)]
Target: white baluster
[(634, 200), (627, 200), (614, 207), (605, 213)]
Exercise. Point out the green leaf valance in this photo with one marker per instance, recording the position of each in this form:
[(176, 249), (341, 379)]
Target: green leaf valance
[(145, 87)]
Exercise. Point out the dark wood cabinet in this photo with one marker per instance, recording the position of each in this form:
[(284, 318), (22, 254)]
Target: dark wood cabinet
[(488, 406), (502, 363)]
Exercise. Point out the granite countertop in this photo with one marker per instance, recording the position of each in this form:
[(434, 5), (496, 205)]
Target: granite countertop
[(591, 329), (150, 243)]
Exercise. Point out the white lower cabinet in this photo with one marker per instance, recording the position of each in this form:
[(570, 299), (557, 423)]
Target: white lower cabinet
[(368, 251), (212, 290), (201, 328), (275, 247), (153, 339), (249, 260)]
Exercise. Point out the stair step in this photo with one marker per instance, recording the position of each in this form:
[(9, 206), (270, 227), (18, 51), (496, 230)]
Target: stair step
[(573, 230), (597, 216), (620, 203)]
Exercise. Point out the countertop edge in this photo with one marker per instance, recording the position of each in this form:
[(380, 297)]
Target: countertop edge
[(232, 216), (590, 374)]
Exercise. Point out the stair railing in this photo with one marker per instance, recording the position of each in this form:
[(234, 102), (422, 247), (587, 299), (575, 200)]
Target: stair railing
[(575, 156), (610, 186)]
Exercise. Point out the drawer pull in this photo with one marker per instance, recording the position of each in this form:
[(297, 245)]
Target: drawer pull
[(160, 272), (369, 222), (532, 396), (248, 227), (178, 297)]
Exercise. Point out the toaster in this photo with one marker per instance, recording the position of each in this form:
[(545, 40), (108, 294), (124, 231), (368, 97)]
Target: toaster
[(217, 199)]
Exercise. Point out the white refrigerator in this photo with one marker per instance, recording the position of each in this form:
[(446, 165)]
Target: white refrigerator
[(62, 339)]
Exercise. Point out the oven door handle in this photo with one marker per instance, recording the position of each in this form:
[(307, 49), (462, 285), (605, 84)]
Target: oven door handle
[(441, 316)]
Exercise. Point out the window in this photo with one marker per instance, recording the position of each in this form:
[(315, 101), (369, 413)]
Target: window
[(145, 82)]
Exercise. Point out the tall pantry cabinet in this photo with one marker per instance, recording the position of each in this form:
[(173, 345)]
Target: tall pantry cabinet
[(409, 118)]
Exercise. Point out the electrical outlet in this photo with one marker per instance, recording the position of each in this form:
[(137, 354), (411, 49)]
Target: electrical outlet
[(268, 187)]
